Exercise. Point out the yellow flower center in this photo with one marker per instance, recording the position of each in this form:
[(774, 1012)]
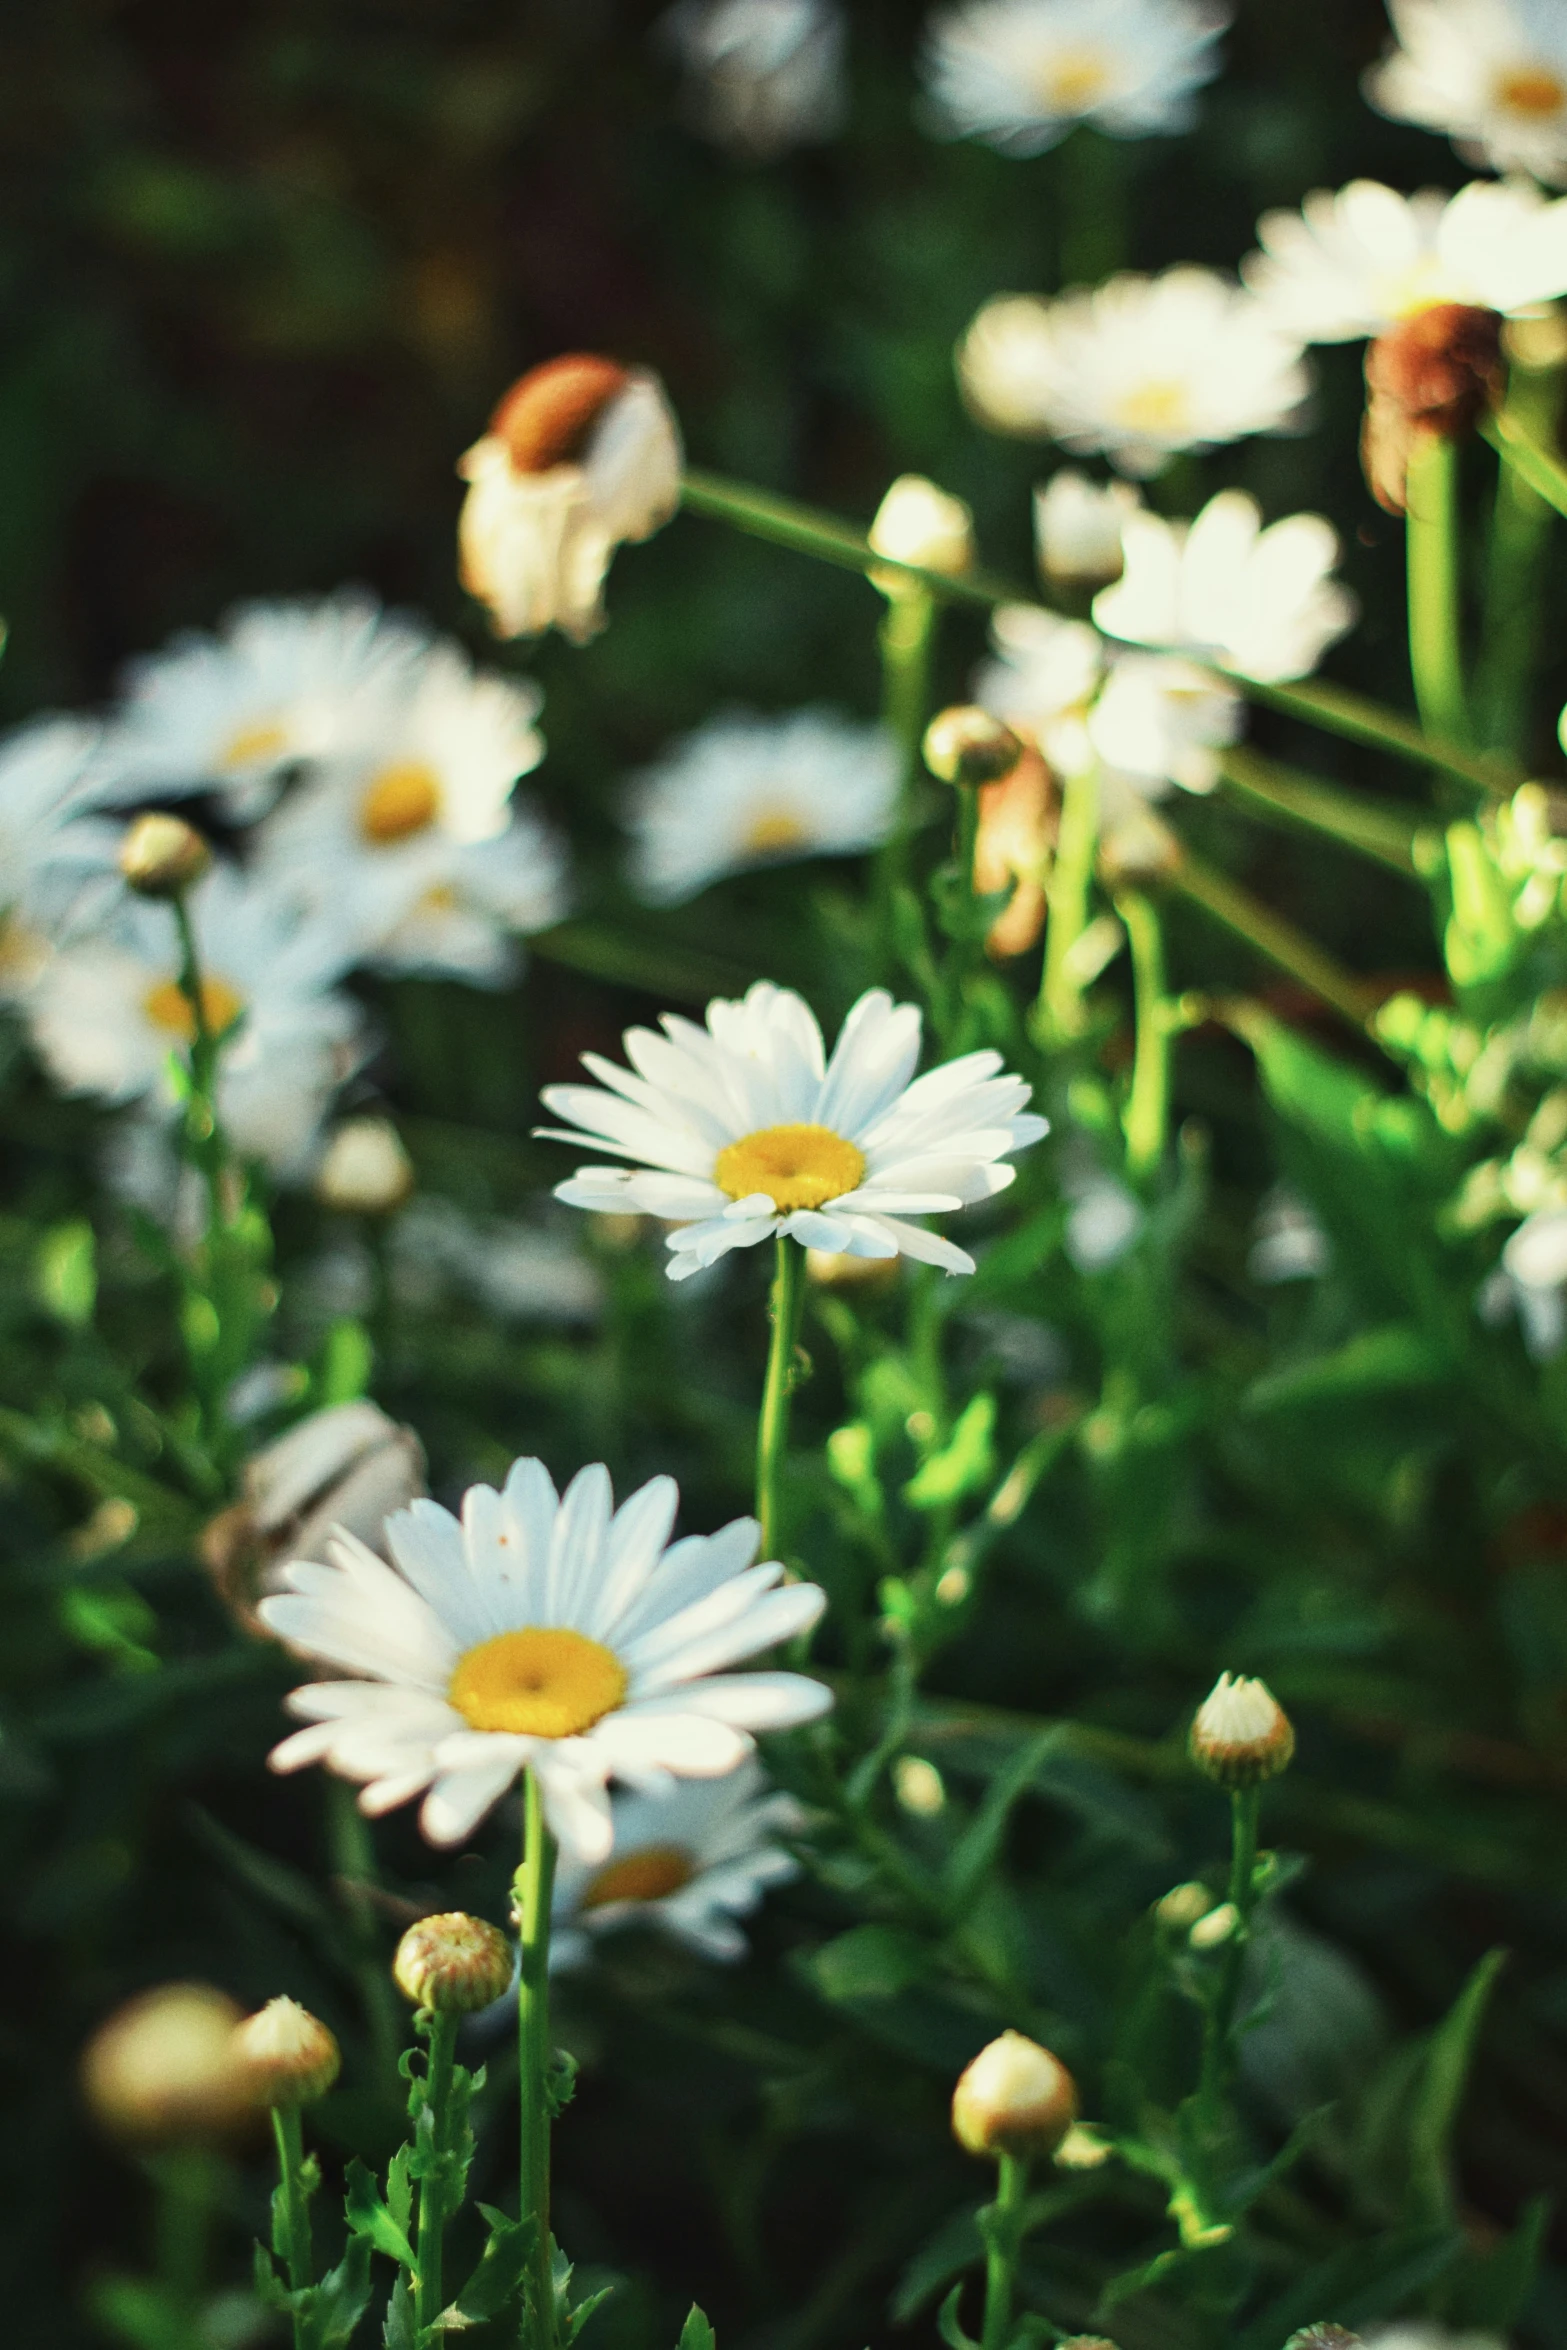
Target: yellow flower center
[(544, 1682), (166, 1006), (1157, 407), (250, 745), (1069, 82), (1531, 90), (772, 831), (649, 1875), (797, 1166), (403, 799)]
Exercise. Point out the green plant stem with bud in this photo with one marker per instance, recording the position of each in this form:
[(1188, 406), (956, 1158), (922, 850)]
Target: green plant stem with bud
[(1002, 2226), (440, 2058), (294, 2244), (1146, 1118), (907, 638), (1061, 1009), (784, 1307), (1435, 614), (1218, 2047), (217, 1315), (532, 1889), (1521, 521)]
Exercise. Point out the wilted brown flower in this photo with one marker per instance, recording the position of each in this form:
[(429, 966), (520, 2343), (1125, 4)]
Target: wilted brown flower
[(1017, 828), (1437, 371)]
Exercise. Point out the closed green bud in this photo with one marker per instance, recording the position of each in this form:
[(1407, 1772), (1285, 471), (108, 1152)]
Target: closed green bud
[(1015, 2098), (1241, 1735), (287, 2053), (161, 856), (452, 1964), (966, 747)]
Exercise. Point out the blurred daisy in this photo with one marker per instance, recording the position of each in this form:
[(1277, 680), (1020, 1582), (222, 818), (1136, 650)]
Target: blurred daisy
[(1364, 259), (1104, 1219), (1492, 74), (1022, 73), (744, 1128), (1139, 369), (544, 1633), (1289, 1243), (520, 1271), (1160, 721), (1043, 680), (761, 76), (690, 1862), (57, 858), (279, 685), (1531, 1280), (1077, 528), (109, 1017), (410, 841), (581, 455), (744, 791), (1261, 602)]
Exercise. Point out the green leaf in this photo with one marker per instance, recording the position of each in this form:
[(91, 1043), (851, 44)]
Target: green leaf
[(501, 2268), (369, 2217), (1488, 2291), (400, 2331), (1363, 2282), (65, 1273), (560, 2082), (577, 2318), (340, 2300), (965, 1462), (345, 1364), (976, 1849), (1440, 2092), (948, 2326), (869, 1962), (955, 2248), (696, 2333), (1371, 1363)]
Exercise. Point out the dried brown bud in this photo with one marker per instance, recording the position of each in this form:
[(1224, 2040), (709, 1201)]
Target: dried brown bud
[(548, 416), (1241, 1734), (966, 747), (1435, 372), (453, 1963), (163, 2069), (1015, 2098), (1018, 821), (287, 2053), (161, 856)]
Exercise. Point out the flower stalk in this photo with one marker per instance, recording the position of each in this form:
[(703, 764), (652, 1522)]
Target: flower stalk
[(532, 1889), (291, 2227), (1146, 1117), (1061, 1009), (907, 638), (1218, 2047), (1435, 632), (784, 1308), (1002, 2226), (440, 2158)]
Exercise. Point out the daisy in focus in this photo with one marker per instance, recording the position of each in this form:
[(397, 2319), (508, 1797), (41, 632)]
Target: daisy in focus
[(1022, 73), (744, 1128), (409, 838), (1492, 74), (581, 455), (1365, 259), (690, 1863), (1261, 602), (545, 1633), (280, 685), (109, 1018), (1139, 369), (745, 791), (761, 76)]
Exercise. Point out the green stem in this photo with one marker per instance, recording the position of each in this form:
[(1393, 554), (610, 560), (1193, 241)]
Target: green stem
[(772, 1429), (1218, 2052), (1432, 552), (907, 638), (1519, 446), (1271, 936), (440, 2057), (1263, 786), (1091, 189), (1071, 875), (1004, 2243), (294, 2217), (185, 2188), (1514, 603), (352, 1849), (532, 1890), (1145, 1120), (204, 1142)]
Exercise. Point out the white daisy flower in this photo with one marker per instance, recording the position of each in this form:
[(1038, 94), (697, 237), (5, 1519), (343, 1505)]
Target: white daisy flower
[(690, 1862), (1160, 721), (761, 76), (58, 869), (1361, 260), (1139, 369), (109, 1018), (1532, 1279), (547, 1633), (1492, 74), (1077, 528), (581, 455), (409, 839), (1043, 681), (744, 1128), (1261, 602), (1022, 73), (281, 684), (745, 791), (1289, 1243)]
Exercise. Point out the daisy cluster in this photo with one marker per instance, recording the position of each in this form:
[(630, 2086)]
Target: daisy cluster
[(356, 774)]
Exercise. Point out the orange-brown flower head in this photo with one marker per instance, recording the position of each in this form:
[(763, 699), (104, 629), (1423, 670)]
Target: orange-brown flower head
[(1018, 817), (1015, 2098), (162, 855), (1437, 371), (965, 746), (1241, 1734), (288, 2054), (454, 1964), (163, 2070)]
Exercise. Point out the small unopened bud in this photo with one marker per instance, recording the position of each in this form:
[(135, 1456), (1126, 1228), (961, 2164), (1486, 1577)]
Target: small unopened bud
[(918, 1786), (1241, 1735), (290, 2056), (453, 1964), (1077, 529), (161, 856), (1015, 2098), (1182, 1906), (1214, 1930), (163, 2069), (918, 523), (365, 1170), (1082, 2149), (1326, 2337), (966, 747)]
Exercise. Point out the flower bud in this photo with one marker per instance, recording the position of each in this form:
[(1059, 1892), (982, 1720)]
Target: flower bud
[(161, 856), (1182, 1906), (966, 747), (1241, 1735), (453, 1964), (163, 2069), (1324, 2337), (1015, 2098), (918, 523), (1214, 1930), (364, 1169), (1083, 2149), (289, 2055), (1077, 529)]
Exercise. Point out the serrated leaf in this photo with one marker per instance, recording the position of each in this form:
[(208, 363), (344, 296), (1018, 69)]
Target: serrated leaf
[(501, 2267), (340, 2300), (368, 2216), (400, 2331), (1440, 2091), (577, 2318), (696, 2333)]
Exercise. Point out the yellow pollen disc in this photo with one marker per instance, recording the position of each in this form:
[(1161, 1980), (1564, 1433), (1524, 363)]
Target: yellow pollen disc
[(772, 831), (1532, 90), (797, 1166), (1156, 407), (166, 1007), (1070, 81), (545, 1682), (403, 799), (249, 745), (649, 1875)]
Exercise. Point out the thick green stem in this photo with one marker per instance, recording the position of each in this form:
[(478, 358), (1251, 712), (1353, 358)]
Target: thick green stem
[(1432, 565), (532, 1890), (1146, 1118), (1272, 937), (772, 1429), (1264, 787), (1218, 2053), (1514, 602), (1004, 2243), (1071, 875), (295, 2246), (907, 638), (441, 2050)]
